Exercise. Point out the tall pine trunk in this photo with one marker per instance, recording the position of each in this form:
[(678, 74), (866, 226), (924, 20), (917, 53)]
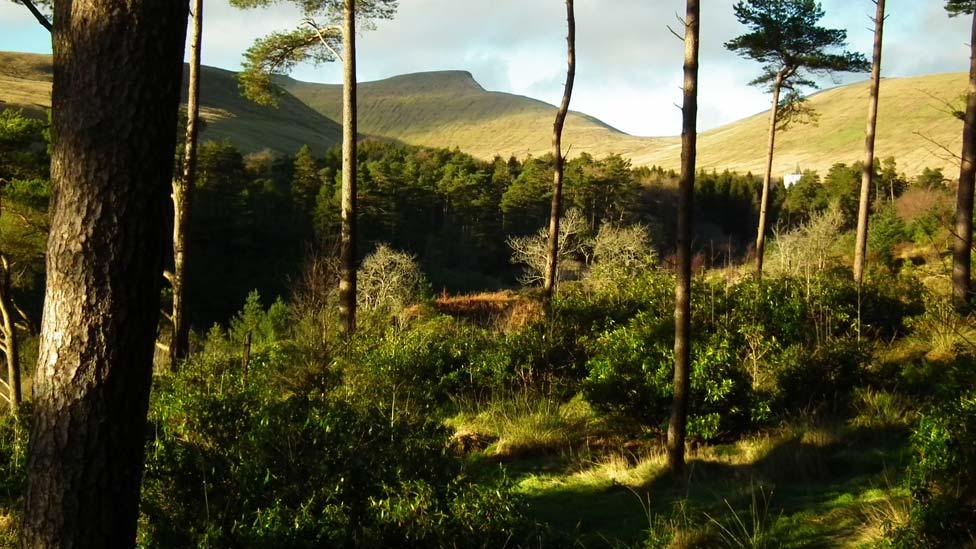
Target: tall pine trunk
[(117, 80), (183, 194), (552, 257), (347, 252), (677, 426), (962, 244), (867, 173), (768, 178)]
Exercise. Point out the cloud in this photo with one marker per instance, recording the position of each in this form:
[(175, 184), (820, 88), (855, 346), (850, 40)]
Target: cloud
[(629, 70)]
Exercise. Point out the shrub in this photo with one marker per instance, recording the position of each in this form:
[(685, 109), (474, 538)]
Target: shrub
[(389, 281), (532, 251), (619, 254), (942, 477), (632, 374), (231, 463)]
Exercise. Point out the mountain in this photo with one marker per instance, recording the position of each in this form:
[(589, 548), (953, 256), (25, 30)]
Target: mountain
[(450, 109), (913, 126), (25, 82)]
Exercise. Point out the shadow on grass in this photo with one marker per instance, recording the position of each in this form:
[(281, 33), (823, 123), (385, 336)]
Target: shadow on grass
[(814, 482)]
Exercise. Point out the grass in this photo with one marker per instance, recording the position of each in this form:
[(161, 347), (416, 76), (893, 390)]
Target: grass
[(804, 484), (450, 109), (25, 81)]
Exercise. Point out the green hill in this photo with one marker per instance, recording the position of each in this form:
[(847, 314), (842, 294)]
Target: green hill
[(450, 109), (25, 81), (913, 126)]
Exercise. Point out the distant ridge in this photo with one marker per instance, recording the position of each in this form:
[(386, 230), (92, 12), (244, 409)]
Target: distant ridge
[(451, 109), (25, 81)]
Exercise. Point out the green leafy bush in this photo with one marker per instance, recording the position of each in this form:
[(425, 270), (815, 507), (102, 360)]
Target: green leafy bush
[(632, 374), (942, 477), (231, 463)]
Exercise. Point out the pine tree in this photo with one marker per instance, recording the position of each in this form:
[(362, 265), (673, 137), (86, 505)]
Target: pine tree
[(118, 68), (326, 23), (786, 39)]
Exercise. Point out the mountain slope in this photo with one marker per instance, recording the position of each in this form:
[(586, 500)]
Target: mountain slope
[(913, 126), (25, 81), (450, 109)]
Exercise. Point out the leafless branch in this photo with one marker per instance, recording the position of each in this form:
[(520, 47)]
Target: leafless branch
[(951, 155), (38, 15), (325, 43)]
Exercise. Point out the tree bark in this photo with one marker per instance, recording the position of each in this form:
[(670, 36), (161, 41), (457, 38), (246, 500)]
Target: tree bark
[(117, 80), (8, 338), (677, 426), (768, 178), (347, 252), (552, 258), (867, 173), (183, 196), (962, 243)]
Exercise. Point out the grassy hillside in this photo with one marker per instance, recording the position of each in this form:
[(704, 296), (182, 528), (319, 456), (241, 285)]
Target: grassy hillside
[(450, 109), (25, 81), (910, 108)]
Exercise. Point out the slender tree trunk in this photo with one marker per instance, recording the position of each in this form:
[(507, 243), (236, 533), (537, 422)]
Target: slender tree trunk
[(962, 244), (768, 178), (183, 195), (867, 173), (677, 427), (347, 252), (117, 82), (8, 338), (552, 258)]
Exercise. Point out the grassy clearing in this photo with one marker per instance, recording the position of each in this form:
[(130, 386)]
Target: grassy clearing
[(806, 484), (801, 487)]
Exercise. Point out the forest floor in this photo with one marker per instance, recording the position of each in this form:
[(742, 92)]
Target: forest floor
[(811, 483)]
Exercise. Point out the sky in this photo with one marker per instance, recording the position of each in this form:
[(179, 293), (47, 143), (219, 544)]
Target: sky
[(628, 67)]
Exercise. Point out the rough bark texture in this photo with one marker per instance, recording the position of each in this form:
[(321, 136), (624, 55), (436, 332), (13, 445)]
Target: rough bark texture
[(117, 79), (347, 252), (768, 178), (962, 244), (552, 258), (867, 174), (677, 426), (8, 338), (183, 195)]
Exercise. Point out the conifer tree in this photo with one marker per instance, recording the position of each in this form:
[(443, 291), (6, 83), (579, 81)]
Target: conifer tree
[(785, 38), (327, 33)]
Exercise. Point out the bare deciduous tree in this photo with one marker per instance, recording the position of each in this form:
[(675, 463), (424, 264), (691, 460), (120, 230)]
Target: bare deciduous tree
[(533, 251)]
